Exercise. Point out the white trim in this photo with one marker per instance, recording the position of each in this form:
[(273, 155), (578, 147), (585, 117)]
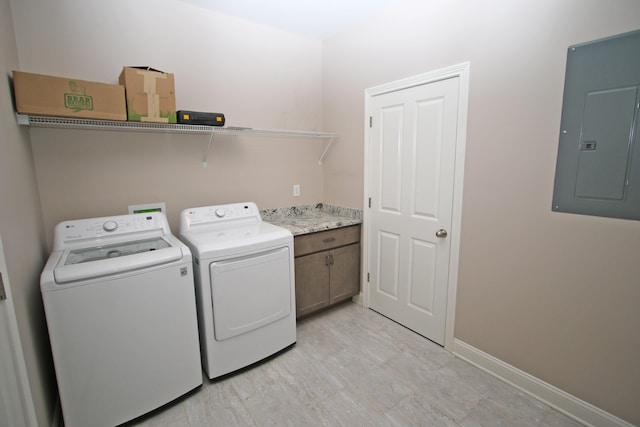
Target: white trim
[(462, 71), (558, 399), (363, 297), (15, 364)]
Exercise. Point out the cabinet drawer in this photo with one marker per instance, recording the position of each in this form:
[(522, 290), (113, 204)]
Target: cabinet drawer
[(323, 240)]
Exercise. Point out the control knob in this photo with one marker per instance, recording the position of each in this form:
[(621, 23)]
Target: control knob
[(220, 213), (110, 226)]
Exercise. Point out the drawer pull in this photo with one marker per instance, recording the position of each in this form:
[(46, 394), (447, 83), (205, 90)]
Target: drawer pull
[(329, 239)]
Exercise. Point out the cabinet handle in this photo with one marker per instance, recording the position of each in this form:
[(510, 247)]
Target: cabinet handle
[(326, 260), (329, 239), (331, 259)]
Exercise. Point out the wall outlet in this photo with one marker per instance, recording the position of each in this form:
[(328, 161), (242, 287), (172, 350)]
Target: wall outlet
[(296, 190)]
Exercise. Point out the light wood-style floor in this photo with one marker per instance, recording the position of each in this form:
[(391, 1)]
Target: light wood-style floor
[(353, 367)]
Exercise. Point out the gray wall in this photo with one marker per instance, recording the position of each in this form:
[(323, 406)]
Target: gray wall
[(555, 295), (22, 232), (530, 290), (257, 76)]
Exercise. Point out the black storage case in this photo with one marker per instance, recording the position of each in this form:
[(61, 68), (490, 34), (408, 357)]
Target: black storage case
[(186, 117)]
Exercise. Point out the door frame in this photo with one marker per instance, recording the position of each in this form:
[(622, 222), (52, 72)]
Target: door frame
[(462, 71), (21, 407)]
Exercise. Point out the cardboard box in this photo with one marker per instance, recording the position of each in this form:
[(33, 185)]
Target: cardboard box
[(61, 96), (150, 95)]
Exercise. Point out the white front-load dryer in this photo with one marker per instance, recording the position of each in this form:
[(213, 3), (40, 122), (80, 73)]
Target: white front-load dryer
[(244, 285), (120, 306)]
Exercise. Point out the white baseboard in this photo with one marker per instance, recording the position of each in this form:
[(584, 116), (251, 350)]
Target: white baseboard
[(562, 401), (358, 299)]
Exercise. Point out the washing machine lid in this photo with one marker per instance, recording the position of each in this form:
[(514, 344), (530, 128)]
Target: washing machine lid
[(226, 241), (101, 260)]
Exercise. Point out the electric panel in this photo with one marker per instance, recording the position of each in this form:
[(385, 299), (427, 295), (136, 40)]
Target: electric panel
[(598, 166)]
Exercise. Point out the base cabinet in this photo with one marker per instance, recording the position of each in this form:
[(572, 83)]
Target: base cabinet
[(327, 266)]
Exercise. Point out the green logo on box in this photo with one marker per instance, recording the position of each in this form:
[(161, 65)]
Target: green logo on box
[(78, 99)]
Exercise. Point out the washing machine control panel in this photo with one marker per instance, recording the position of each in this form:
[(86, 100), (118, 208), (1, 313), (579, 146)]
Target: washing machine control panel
[(95, 228), (222, 213)]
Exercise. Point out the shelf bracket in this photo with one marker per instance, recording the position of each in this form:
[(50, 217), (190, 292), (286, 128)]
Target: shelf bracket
[(205, 156), (23, 120), (325, 150)]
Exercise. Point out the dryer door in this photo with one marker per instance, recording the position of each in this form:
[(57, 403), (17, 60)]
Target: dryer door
[(250, 292)]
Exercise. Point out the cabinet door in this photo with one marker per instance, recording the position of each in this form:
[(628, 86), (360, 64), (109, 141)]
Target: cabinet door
[(345, 273), (312, 283)]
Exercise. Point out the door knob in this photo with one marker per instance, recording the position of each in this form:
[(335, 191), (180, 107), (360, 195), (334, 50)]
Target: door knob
[(442, 233)]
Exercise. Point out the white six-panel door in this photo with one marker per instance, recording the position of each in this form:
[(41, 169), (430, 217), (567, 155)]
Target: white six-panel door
[(411, 181)]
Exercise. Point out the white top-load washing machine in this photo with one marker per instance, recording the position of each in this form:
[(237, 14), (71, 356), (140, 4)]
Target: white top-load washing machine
[(244, 285), (120, 306)]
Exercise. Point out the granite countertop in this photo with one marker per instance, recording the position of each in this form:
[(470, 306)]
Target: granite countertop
[(311, 218)]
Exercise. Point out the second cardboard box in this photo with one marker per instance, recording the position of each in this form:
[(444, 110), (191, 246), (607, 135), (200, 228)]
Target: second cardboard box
[(150, 95)]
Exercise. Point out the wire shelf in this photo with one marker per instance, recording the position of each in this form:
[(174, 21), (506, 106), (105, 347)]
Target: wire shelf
[(114, 125)]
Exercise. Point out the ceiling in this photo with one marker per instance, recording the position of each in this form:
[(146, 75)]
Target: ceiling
[(316, 19)]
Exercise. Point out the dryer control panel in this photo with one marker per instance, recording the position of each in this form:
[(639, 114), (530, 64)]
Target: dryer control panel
[(211, 215)]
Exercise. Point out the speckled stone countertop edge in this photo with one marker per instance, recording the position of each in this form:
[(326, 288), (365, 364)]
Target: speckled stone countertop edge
[(307, 219)]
